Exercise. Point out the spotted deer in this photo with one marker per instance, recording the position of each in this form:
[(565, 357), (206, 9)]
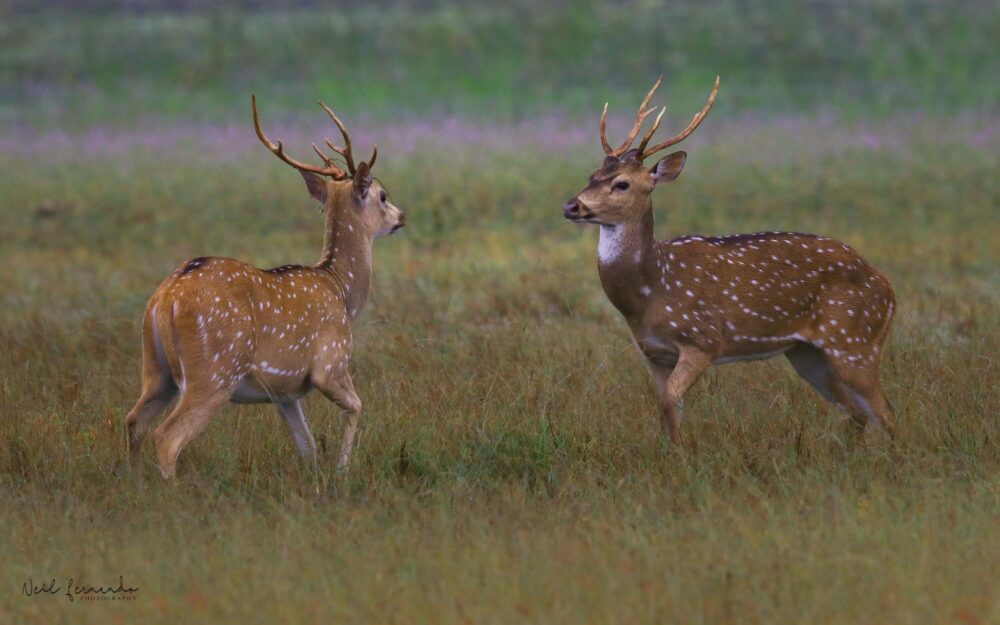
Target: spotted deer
[(219, 330), (697, 301)]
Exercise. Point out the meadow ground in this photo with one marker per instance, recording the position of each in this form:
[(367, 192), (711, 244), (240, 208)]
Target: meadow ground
[(509, 467)]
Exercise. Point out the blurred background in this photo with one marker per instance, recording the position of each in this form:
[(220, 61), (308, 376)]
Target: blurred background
[(75, 62)]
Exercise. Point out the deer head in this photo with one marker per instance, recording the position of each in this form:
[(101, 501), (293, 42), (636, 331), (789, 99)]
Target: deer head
[(618, 192), (334, 187)]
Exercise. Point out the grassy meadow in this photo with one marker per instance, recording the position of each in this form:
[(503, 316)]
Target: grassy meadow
[(510, 467)]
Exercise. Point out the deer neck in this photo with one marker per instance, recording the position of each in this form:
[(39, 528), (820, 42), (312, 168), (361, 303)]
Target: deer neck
[(347, 255), (626, 262)]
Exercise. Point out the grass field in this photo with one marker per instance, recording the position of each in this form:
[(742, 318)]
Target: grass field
[(510, 467)]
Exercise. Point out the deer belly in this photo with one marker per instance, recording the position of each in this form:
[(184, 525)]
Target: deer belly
[(267, 389), (755, 356), (762, 352), (657, 350)]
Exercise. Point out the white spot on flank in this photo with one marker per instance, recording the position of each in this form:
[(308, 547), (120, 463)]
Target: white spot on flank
[(645, 291)]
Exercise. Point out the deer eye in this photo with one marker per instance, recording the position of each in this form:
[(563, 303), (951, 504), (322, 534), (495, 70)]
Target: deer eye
[(621, 185), (382, 196)]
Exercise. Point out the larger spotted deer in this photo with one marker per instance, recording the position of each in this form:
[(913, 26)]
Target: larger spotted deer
[(218, 330), (696, 301)]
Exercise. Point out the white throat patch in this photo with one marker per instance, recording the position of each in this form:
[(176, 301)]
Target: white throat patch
[(609, 246)]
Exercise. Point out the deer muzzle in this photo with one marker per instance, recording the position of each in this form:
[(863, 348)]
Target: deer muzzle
[(575, 210), (400, 223)]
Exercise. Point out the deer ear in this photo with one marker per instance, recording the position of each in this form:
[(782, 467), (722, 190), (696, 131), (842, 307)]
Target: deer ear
[(316, 185), (668, 168), (362, 181)]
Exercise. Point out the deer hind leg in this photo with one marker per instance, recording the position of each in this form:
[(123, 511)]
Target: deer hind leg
[(868, 401), (340, 390), (852, 344), (295, 419), (158, 390), (836, 383), (690, 365), (151, 403), (812, 366), (189, 417)]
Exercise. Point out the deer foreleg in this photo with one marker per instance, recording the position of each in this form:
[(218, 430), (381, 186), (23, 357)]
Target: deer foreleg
[(341, 391), (690, 365)]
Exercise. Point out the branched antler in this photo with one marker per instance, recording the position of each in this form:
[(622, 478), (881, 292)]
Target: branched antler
[(346, 150), (643, 152), (641, 116), (329, 168)]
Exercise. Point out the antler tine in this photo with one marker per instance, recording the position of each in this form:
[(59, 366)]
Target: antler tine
[(604, 134), (326, 159), (687, 131), (335, 148), (346, 150), (652, 130), (328, 170), (342, 152), (640, 117)]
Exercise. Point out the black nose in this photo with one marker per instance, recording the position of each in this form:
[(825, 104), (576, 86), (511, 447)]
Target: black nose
[(571, 208), (399, 224)]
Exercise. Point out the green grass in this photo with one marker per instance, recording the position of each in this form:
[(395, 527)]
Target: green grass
[(871, 58), (509, 468)]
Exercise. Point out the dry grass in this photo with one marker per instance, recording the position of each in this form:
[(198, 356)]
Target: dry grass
[(509, 468)]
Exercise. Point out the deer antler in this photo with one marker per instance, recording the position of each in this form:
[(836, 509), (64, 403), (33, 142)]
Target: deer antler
[(641, 116), (643, 152), (328, 169), (346, 150)]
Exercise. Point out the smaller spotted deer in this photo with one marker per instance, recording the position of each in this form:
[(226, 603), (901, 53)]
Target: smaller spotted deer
[(218, 330), (695, 301)]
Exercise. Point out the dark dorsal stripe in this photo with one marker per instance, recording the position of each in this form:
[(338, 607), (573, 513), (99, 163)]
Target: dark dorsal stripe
[(193, 264), (740, 239)]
